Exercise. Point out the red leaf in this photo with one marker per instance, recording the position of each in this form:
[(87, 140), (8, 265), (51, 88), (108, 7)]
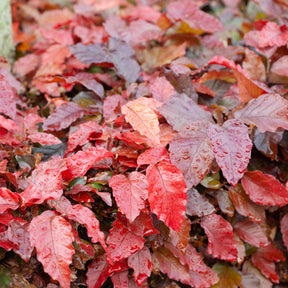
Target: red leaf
[(97, 272), (264, 189), (232, 148), (7, 137), (251, 233), (187, 108), (122, 242), (45, 182), (162, 89), (81, 215), (167, 193), (268, 112), (26, 64), (63, 117), (120, 279), (18, 234), (78, 164), (191, 152), (81, 136), (142, 118), (245, 206), (198, 205), (153, 155), (221, 243), (44, 138), (130, 193), (189, 12), (52, 236), (8, 124), (8, 103), (284, 230), (271, 253), (8, 200), (141, 263), (200, 280), (7, 217), (112, 106), (267, 268)]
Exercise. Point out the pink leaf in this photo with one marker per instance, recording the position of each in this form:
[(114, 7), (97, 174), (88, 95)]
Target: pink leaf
[(251, 233), (63, 117), (78, 164), (264, 189), (18, 234), (8, 124), (268, 112), (142, 118), (52, 236), (8, 103), (221, 243), (191, 152), (8, 200), (273, 34), (189, 12), (278, 66), (130, 193), (112, 106), (284, 230), (162, 89), (232, 148), (44, 138), (141, 263), (167, 193), (198, 205), (120, 279)]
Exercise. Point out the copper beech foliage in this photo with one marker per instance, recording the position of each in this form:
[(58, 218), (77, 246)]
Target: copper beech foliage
[(144, 144)]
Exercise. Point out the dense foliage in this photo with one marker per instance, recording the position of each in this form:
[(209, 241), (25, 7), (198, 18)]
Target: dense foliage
[(144, 144)]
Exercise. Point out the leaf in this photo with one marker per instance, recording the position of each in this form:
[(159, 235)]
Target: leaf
[(18, 234), (278, 67), (229, 278), (273, 34), (284, 230), (221, 243), (85, 79), (97, 272), (247, 88), (251, 233), (245, 206), (80, 214), (112, 106), (153, 155), (63, 117), (48, 151), (44, 138), (189, 12), (143, 119), (120, 279), (264, 189), (162, 90), (249, 269), (52, 236), (198, 205), (79, 163), (141, 263), (191, 152), (81, 136), (45, 182), (224, 202), (165, 261), (119, 53), (8, 103), (8, 124), (130, 193), (187, 108), (167, 193), (268, 112), (232, 148), (8, 200), (122, 242)]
